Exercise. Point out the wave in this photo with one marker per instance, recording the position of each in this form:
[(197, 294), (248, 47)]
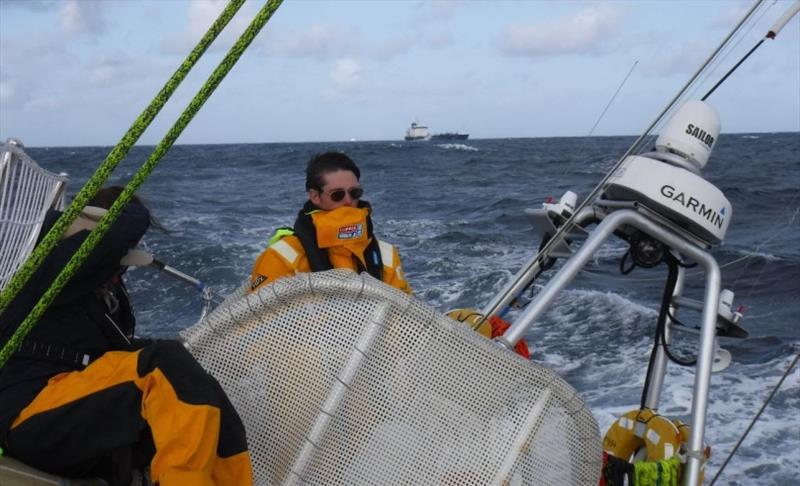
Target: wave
[(457, 146), (760, 255)]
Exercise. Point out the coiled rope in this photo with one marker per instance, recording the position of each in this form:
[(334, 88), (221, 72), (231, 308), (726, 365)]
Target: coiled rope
[(113, 159)]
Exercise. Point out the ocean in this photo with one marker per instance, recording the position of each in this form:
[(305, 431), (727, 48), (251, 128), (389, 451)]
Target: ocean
[(455, 211)]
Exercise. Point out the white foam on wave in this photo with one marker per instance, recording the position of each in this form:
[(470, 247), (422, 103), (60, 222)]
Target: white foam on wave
[(457, 146), (601, 336), (759, 254), (735, 396), (610, 251), (450, 271)]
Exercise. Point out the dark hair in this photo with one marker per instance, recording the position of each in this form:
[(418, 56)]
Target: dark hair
[(327, 162)]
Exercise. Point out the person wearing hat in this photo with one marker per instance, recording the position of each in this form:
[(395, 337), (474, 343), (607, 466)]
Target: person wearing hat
[(332, 230), (83, 397)]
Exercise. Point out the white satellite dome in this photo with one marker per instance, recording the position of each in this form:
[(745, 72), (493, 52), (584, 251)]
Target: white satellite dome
[(691, 133)]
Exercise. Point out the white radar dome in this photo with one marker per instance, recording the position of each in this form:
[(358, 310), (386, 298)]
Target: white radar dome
[(691, 133)]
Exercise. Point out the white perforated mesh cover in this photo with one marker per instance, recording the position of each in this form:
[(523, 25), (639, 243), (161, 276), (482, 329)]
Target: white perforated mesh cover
[(26, 193), (341, 379)]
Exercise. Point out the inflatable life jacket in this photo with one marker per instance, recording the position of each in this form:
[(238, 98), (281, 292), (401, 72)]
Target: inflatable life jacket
[(305, 230), (659, 437)]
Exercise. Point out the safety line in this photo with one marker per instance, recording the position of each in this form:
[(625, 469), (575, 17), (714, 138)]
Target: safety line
[(116, 208), (755, 419)]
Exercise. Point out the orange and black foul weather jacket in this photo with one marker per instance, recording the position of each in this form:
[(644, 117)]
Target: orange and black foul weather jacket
[(82, 397), (324, 240)]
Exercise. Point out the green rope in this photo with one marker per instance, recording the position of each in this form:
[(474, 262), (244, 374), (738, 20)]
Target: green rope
[(114, 211), (113, 159)]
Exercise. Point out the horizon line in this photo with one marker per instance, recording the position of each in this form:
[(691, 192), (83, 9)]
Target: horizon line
[(380, 140)]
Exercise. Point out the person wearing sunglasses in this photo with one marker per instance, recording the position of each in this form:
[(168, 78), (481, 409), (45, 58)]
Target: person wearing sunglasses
[(332, 230)]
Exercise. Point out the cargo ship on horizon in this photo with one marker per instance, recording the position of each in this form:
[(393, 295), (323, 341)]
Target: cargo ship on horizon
[(418, 131)]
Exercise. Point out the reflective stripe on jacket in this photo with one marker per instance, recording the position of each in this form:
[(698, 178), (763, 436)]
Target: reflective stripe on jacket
[(287, 257)]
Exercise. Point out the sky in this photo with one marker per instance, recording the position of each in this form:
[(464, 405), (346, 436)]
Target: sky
[(79, 72)]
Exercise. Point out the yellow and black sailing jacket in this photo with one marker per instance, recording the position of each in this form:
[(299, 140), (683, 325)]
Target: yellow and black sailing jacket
[(90, 316), (324, 240)]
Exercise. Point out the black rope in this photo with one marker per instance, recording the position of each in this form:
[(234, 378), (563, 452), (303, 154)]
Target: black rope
[(732, 70), (766, 402)]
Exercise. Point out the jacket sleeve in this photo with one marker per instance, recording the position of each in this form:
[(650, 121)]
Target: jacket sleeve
[(269, 267)]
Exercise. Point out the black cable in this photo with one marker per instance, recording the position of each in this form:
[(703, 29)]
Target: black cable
[(661, 325), (675, 320), (669, 288), (675, 359), (673, 264)]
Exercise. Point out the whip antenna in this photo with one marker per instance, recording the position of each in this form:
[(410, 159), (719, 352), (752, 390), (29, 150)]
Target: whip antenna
[(773, 32), (619, 88)]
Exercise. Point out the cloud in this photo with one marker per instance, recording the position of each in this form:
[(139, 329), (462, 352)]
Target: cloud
[(27, 64), (392, 47), (680, 59), (728, 17), (346, 72), (115, 68), (438, 40), (330, 41), (82, 17), (6, 91), (43, 102), (344, 77), (586, 31), (32, 5), (442, 11), (319, 41), (201, 14)]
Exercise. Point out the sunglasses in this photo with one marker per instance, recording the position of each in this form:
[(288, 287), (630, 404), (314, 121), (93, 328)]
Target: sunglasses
[(337, 195)]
